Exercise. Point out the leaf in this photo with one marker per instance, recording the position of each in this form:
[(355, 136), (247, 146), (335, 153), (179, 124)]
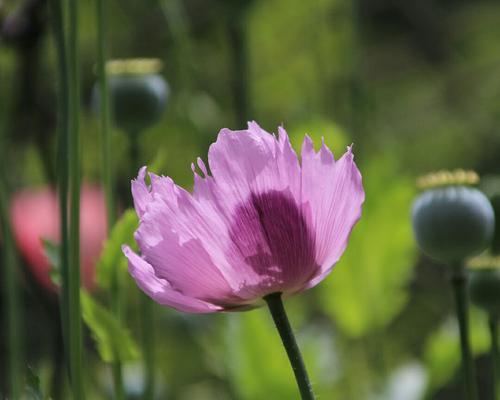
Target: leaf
[(33, 389), (114, 342), (367, 288), (51, 251), (112, 257)]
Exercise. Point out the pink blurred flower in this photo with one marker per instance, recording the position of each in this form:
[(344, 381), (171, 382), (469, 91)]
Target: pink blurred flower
[(35, 216), (261, 223)]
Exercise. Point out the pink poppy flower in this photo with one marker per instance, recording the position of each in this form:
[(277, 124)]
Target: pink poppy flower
[(35, 216), (260, 223)]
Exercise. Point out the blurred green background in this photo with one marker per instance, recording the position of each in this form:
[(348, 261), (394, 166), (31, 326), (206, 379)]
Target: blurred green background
[(415, 85)]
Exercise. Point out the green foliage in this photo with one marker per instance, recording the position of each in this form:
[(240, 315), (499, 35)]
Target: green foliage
[(112, 257), (33, 388), (114, 342), (368, 286)]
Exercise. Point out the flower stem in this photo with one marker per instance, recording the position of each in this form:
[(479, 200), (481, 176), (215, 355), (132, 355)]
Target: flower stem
[(106, 171), (495, 356), (280, 319), (146, 304), (104, 111), (148, 344), (56, 14), (11, 290), (74, 311), (458, 282)]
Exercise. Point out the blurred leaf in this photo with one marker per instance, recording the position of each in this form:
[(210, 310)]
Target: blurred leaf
[(51, 251), (33, 388), (442, 350), (368, 286), (112, 256), (114, 342)]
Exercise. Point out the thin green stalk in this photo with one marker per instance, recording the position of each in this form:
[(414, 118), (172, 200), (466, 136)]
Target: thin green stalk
[(56, 9), (146, 305), (106, 170), (11, 290), (280, 319), (459, 282), (148, 344), (105, 118), (495, 356), (74, 311)]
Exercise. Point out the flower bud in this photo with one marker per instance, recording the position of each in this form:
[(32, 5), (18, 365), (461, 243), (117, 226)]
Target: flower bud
[(454, 222)]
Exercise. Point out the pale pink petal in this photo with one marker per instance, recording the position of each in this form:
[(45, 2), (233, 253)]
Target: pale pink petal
[(179, 254), (140, 192), (174, 211), (160, 289), (334, 193), (251, 162)]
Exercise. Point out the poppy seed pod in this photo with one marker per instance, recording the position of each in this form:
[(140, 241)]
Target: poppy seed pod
[(454, 222), (138, 93), (484, 289)]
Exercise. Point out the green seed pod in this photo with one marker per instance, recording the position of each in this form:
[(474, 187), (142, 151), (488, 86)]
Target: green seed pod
[(138, 94), (452, 223), (484, 289)]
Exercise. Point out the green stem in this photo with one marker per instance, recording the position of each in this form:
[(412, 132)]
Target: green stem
[(107, 172), (458, 282), (74, 312), (148, 344), (495, 356), (57, 12), (105, 117), (280, 319), (11, 289), (146, 305)]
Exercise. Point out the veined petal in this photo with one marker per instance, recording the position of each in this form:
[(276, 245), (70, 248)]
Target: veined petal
[(334, 192), (177, 246), (252, 162), (160, 289), (188, 241)]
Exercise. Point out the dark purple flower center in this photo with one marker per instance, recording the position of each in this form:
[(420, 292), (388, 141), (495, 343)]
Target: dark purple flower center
[(272, 235)]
